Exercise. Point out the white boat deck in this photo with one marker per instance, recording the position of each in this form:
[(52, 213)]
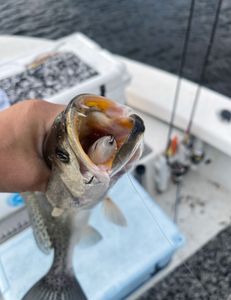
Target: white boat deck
[(205, 207), (204, 210)]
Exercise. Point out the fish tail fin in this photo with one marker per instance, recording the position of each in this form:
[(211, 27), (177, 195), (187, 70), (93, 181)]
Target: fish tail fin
[(60, 287)]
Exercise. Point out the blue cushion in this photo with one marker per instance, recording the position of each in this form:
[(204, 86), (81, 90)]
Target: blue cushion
[(114, 267)]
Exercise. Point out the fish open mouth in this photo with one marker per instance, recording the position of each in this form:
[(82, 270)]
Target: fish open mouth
[(90, 118)]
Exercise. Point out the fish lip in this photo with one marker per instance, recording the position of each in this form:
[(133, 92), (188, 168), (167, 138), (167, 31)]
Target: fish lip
[(139, 126), (131, 143)]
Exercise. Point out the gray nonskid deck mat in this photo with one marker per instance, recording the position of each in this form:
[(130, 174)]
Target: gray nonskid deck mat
[(56, 72), (205, 275)]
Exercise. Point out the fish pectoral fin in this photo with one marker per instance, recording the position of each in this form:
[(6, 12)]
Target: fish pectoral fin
[(113, 213), (57, 212), (90, 236), (38, 221)]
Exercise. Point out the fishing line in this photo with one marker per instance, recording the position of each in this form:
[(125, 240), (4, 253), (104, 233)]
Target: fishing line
[(198, 90), (175, 102), (177, 201), (160, 228), (204, 66), (158, 224), (181, 67)]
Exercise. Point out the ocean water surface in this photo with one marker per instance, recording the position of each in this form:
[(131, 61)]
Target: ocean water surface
[(151, 31)]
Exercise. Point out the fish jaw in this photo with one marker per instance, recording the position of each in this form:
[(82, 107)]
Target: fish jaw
[(86, 119), (100, 117)]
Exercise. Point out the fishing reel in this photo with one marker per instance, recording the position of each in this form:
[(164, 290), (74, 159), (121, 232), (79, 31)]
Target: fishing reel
[(197, 151), (178, 159), (185, 154)]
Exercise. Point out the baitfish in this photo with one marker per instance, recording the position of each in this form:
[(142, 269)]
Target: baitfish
[(90, 145)]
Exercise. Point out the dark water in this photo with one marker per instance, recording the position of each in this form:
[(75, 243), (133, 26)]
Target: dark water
[(150, 31)]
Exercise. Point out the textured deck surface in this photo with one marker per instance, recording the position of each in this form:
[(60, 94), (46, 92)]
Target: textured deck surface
[(204, 276)]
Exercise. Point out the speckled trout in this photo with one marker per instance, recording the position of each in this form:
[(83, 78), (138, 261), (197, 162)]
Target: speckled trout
[(90, 145)]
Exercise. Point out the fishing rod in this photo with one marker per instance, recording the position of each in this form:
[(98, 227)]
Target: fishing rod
[(203, 70), (181, 67), (202, 74), (174, 167), (179, 168)]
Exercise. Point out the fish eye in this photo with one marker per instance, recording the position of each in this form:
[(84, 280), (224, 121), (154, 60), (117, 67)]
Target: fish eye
[(111, 140), (62, 155)]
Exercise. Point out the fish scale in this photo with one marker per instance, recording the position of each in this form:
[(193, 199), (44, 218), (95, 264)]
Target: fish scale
[(33, 202)]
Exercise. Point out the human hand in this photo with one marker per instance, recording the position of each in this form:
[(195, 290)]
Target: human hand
[(23, 128)]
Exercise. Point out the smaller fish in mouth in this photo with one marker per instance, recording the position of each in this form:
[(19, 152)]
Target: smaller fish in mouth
[(103, 150), (90, 145)]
